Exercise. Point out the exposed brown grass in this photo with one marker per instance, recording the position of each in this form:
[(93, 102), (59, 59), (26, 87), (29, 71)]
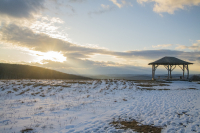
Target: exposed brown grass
[(146, 85), (151, 85), (124, 99), (151, 89), (42, 95), (74, 82), (163, 84), (60, 90), (34, 94), (192, 88), (149, 81), (36, 85), (29, 84), (8, 92), (15, 89), (26, 130), (56, 85), (24, 92), (136, 126), (66, 85), (145, 88), (163, 89)]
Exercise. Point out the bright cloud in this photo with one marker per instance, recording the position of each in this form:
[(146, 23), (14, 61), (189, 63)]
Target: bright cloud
[(50, 55), (105, 6), (50, 26), (195, 46), (162, 46), (170, 6), (103, 9), (120, 4), (25, 37)]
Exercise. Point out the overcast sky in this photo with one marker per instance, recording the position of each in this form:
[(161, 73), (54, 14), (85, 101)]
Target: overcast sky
[(99, 36)]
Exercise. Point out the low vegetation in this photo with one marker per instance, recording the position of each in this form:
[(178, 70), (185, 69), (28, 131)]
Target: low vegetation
[(135, 126), (26, 130)]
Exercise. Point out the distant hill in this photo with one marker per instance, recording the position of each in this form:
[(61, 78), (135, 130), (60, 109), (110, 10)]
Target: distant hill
[(17, 71), (121, 76), (136, 76)]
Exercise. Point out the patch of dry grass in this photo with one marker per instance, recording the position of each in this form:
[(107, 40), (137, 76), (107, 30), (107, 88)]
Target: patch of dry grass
[(24, 92), (192, 88), (36, 85), (136, 126), (145, 88), (124, 99), (59, 90), (74, 82), (26, 130), (42, 95), (66, 85), (34, 94), (146, 85), (8, 92), (188, 88), (151, 89), (163, 84), (15, 89), (163, 89)]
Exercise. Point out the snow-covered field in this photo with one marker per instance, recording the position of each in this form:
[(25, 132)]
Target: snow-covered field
[(91, 105)]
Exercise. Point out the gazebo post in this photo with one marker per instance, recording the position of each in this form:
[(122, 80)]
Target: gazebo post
[(183, 70), (153, 67), (187, 72), (168, 71)]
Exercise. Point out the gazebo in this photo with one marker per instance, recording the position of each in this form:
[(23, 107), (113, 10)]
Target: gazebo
[(170, 64)]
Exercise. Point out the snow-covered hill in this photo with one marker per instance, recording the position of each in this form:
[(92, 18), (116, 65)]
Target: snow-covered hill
[(92, 105)]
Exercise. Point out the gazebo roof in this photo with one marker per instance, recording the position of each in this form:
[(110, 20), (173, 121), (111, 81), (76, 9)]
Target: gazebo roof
[(169, 61)]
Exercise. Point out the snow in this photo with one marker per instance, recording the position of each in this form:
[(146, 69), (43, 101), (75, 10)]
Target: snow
[(90, 105)]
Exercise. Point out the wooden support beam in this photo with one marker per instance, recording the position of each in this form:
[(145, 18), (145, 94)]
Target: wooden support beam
[(152, 72), (156, 67), (168, 71), (165, 66), (174, 67), (180, 67), (183, 70), (187, 72)]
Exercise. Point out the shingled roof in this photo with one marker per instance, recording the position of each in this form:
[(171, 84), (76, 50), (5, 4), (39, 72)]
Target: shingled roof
[(169, 61)]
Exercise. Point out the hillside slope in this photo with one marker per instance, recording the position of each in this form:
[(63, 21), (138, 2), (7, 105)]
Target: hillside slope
[(17, 71)]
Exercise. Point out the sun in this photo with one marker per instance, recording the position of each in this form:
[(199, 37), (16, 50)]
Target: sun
[(54, 56), (50, 55)]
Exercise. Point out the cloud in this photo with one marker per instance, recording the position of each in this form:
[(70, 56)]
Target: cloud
[(25, 37), (195, 46), (51, 26), (77, 0), (148, 54), (77, 66), (71, 8), (20, 8), (123, 2), (162, 46), (104, 9), (170, 6)]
